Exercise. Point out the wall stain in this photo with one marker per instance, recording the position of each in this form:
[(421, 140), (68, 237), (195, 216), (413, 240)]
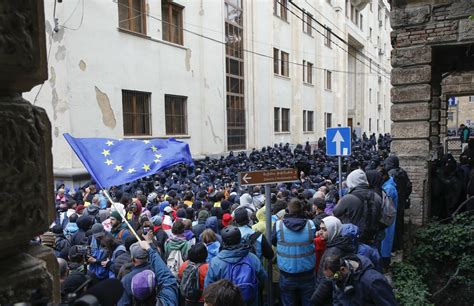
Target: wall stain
[(56, 132), (187, 59), (82, 65), (52, 78), (205, 83), (108, 116), (201, 11), (60, 53), (55, 102), (214, 136)]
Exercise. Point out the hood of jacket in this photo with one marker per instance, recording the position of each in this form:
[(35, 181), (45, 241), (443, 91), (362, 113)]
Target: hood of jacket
[(352, 231), (213, 248), (294, 223), (232, 255), (212, 223), (391, 162), (261, 214), (364, 265), (333, 226), (92, 210), (84, 222), (356, 178), (343, 243), (176, 243)]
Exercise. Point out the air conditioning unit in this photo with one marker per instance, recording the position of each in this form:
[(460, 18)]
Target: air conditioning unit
[(380, 23)]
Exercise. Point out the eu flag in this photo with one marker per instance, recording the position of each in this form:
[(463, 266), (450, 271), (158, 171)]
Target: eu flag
[(118, 161)]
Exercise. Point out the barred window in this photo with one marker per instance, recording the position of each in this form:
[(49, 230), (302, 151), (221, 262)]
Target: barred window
[(176, 115), (136, 113)]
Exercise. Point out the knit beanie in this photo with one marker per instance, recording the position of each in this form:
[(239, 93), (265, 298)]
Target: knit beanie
[(116, 215), (48, 239)]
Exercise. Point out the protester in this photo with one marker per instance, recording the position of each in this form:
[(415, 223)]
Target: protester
[(223, 293), (192, 274)]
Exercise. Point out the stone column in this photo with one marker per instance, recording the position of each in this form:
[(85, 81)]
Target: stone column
[(411, 114), (26, 178)]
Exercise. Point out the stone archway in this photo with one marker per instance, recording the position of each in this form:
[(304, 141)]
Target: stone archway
[(430, 41)]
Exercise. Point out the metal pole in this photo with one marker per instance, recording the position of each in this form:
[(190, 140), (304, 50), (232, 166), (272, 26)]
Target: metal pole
[(268, 234), (339, 161)]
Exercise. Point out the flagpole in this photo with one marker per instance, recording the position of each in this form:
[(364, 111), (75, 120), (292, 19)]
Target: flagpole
[(120, 213)]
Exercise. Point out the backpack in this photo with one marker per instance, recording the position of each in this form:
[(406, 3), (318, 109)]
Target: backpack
[(243, 275), (189, 285), (249, 242), (372, 217), (174, 261), (389, 212), (404, 187)]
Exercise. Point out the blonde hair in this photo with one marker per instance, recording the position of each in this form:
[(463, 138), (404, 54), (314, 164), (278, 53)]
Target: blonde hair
[(208, 236)]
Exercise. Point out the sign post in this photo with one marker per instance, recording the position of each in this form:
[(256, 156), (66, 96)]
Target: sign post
[(339, 143), (267, 178)]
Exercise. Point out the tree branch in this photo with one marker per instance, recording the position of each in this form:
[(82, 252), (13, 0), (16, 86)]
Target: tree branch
[(448, 283)]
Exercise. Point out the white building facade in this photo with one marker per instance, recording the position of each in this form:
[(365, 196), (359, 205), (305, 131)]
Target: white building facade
[(218, 74)]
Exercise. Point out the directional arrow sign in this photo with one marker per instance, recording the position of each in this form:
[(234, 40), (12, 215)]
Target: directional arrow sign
[(268, 177), (338, 139)]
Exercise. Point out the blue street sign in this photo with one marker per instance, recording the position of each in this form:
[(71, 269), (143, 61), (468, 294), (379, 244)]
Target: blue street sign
[(338, 141)]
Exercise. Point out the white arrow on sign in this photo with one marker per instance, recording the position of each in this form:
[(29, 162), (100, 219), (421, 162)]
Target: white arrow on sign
[(338, 139), (246, 177)]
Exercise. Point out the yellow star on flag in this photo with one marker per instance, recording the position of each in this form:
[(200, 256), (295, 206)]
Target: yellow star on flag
[(131, 170), (109, 162), (158, 156), (146, 167), (154, 149), (157, 161), (106, 153), (118, 168), (109, 143), (146, 141)]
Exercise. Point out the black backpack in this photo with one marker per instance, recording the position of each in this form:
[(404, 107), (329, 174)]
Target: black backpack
[(249, 242), (372, 215), (189, 285), (404, 187)]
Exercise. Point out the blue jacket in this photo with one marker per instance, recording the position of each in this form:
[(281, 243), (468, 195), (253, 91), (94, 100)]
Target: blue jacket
[(168, 294), (212, 250), (352, 231), (218, 266), (295, 246), (246, 231), (370, 287), (390, 187)]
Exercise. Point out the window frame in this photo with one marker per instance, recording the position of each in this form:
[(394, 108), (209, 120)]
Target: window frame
[(173, 116), (133, 94), (285, 122), (171, 7), (276, 119), (285, 64), (305, 129), (309, 73), (308, 23), (310, 121), (328, 80), (276, 61), (130, 18), (327, 37)]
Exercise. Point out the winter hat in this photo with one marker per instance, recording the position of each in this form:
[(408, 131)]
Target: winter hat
[(116, 215), (155, 210), (98, 230), (48, 239), (157, 220), (168, 210), (203, 215), (226, 219), (143, 284), (137, 252), (241, 216)]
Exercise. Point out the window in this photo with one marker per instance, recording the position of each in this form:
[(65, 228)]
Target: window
[(305, 127), (370, 34), (285, 119), (308, 23), (328, 120), (327, 37), (370, 95), (328, 84), (132, 15), (285, 64), (471, 98), (136, 113), (307, 72), (172, 16), (370, 6), (378, 127), (370, 124), (280, 8), (361, 25), (176, 115), (276, 119), (276, 61), (348, 8), (308, 121)]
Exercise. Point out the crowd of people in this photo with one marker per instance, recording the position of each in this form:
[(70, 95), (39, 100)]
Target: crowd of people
[(202, 237)]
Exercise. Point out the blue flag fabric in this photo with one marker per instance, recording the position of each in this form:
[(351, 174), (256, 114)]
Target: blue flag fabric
[(118, 161)]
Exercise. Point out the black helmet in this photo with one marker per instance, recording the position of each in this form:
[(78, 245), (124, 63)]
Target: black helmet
[(231, 235)]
